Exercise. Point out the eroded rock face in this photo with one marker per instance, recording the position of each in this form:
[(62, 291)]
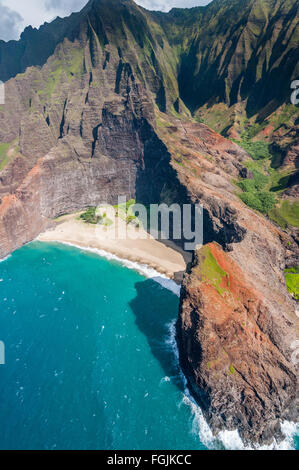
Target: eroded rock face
[(237, 328), (237, 368), (80, 129)]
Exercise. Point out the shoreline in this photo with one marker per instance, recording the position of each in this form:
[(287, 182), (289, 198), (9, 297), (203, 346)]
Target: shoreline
[(131, 245), (151, 258), (143, 269), (230, 440)]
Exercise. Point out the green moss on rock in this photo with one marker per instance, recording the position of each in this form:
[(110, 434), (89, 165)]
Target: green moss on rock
[(292, 281), (210, 271), (287, 214)]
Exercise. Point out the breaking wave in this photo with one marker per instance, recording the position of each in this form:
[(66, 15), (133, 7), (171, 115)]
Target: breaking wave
[(229, 440), (4, 259), (142, 269)]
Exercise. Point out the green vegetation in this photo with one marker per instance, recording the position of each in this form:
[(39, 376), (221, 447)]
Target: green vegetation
[(125, 207), (3, 154), (257, 183), (7, 153), (90, 216), (286, 214), (62, 69), (132, 218), (211, 272), (284, 116), (258, 150), (263, 191), (292, 280), (255, 194), (262, 201), (105, 221), (232, 369), (125, 212)]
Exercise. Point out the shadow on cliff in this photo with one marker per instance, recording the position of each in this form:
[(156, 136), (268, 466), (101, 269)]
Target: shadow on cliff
[(155, 309)]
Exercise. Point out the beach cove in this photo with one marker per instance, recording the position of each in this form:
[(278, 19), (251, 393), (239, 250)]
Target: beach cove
[(125, 241)]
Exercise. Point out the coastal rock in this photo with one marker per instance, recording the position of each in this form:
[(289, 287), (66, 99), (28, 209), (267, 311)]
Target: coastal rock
[(236, 368), (237, 323)]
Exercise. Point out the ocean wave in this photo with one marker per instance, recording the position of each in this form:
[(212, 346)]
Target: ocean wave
[(4, 259), (143, 269), (229, 440)]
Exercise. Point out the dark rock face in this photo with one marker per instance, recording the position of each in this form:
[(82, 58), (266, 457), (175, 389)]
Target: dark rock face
[(81, 128), (231, 349), (97, 120), (237, 325), (246, 173)]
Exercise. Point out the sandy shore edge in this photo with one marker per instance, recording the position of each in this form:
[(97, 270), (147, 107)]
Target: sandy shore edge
[(132, 244)]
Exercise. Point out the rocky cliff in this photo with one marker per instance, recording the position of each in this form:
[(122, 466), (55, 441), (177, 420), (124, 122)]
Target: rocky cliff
[(101, 112), (237, 327), (235, 347)]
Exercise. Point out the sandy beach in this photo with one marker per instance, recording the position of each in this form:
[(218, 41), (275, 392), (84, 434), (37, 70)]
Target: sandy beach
[(124, 241)]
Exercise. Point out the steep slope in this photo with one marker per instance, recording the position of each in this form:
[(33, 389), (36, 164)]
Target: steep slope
[(103, 116), (237, 62), (233, 349), (88, 116), (241, 50), (231, 64), (237, 326)]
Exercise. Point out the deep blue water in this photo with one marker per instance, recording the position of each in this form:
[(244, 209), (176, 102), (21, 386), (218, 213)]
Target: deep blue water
[(89, 364)]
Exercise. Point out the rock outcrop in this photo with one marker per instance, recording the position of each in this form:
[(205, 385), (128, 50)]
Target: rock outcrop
[(237, 328), (233, 350)]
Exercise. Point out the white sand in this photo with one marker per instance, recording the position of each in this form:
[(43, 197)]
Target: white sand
[(122, 240)]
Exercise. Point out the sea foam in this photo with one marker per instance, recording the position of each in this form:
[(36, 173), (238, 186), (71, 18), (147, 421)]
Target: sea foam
[(142, 269), (229, 440), (4, 259)]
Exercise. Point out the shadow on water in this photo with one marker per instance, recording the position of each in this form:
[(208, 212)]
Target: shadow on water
[(155, 309)]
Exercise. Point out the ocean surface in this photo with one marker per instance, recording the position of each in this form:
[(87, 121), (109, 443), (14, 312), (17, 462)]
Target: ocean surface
[(90, 357)]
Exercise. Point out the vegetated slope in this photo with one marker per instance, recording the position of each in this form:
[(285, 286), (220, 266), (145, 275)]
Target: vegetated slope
[(230, 64), (237, 62)]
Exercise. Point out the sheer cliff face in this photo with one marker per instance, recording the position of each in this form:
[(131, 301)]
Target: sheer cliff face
[(235, 347), (237, 326), (103, 115), (81, 127)]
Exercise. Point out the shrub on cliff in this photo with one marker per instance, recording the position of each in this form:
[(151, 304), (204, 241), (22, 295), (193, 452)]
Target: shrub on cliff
[(292, 280), (262, 201), (258, 150)]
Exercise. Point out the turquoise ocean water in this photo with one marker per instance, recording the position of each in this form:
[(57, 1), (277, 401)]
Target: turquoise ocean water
[(90, 358)]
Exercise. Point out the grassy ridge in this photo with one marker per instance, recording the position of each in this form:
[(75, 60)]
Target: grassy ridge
[(263, 191), (292, 280)]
